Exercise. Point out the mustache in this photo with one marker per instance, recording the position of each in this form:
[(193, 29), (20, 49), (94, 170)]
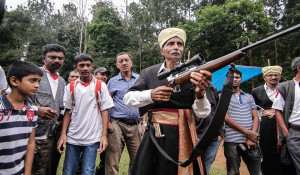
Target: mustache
[(175, 52), (56, 65)]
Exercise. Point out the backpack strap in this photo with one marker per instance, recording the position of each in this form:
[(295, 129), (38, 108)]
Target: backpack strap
[(72, 84), (98, 88)]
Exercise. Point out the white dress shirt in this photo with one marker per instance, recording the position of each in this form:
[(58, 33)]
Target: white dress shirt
[(142, 98)]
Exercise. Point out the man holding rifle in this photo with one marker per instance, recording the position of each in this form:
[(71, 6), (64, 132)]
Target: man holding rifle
[(171, 118)]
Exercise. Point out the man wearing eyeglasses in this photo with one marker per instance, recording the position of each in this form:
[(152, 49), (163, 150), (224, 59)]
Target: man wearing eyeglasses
[(49, 100), (264, 97)]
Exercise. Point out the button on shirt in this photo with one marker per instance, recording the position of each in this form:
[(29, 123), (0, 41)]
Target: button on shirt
[(138, 99), (279, 104), (118, 86), (240, 110)]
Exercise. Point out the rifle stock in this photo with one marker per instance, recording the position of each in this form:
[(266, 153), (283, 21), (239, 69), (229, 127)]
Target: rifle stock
[(219, 63), (210, 66)]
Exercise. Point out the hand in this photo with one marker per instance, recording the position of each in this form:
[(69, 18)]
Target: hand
[(285, 132), (144, 126), (61, 143), (253, 136), (46, 112), (109, 124), (201, 80), (103, 144), (161, 93), (250, 144), (220, 138)]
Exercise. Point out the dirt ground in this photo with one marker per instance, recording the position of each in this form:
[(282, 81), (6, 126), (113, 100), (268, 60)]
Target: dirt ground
[(220, 161)]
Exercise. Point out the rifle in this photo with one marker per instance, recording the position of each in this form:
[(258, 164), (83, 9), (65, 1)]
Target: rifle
[(181, 74)]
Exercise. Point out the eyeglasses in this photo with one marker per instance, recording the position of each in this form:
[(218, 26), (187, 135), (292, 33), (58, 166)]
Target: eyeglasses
[(273, 75), (54, 57)]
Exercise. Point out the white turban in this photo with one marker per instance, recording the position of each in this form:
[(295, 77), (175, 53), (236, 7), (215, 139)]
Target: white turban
[(169, 33), (267, 69)]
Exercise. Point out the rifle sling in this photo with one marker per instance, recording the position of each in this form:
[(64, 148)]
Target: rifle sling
[(212, 130)]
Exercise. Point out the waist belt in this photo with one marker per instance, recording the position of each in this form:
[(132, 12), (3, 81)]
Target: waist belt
[(126, 121), (184, 119), (268, 113), (295, 127)]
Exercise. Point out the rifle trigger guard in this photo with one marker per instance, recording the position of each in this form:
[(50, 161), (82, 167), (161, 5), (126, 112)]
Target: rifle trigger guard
[(176, 88)]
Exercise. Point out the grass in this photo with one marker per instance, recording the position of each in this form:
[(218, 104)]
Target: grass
[(124, 163)]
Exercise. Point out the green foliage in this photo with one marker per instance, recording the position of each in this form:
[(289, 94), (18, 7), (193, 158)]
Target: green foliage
[(213, 28), (223, 29), (13, 37), (107, 38)]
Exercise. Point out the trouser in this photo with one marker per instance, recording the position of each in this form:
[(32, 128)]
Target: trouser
[(118, 135), (54, 156), (233, 160), (42, 153), (209, 155), (293, 144), (268, 143), (89, 153)]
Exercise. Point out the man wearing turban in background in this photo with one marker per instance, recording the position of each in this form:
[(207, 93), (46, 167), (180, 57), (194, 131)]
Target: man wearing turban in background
[(171, 118), (264, 96)]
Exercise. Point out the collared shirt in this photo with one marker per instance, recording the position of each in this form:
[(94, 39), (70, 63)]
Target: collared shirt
[(85, 127), (15, 130), (279, 104), (118, 86), (270, 93), (142, 98), (53, 81), (240, 110)]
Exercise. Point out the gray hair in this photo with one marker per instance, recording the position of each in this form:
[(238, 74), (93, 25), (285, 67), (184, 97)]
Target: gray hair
[(295, 64)]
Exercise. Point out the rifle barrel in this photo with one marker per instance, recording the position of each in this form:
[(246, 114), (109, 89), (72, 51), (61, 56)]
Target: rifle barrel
[(223, 61), (270, 38)]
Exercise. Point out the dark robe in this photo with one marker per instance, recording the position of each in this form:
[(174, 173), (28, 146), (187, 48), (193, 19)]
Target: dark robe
[(149, 161), (268, 134)]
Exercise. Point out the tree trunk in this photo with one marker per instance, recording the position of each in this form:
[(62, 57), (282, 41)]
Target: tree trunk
[(85, 38)]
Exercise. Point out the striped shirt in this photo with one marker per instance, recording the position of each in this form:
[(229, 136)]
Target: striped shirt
[(15, 130), (240, 110)]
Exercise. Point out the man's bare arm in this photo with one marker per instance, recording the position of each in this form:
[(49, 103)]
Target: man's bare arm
[(233, 124), (280, 121)]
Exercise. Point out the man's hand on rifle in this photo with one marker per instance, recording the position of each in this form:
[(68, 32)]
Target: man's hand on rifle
[(161, 93), (201, 80)]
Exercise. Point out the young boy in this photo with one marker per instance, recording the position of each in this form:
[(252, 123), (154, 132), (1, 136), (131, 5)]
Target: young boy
[(18, 119), (85, 117)]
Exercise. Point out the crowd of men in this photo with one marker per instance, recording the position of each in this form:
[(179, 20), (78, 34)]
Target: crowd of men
[(42, 117)]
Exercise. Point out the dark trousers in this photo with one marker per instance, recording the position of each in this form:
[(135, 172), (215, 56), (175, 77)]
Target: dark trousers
[(233, 161), (268, 143), (293, 144), (54, 156)]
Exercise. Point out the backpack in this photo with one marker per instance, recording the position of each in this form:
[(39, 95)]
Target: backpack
[(97, 89)]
